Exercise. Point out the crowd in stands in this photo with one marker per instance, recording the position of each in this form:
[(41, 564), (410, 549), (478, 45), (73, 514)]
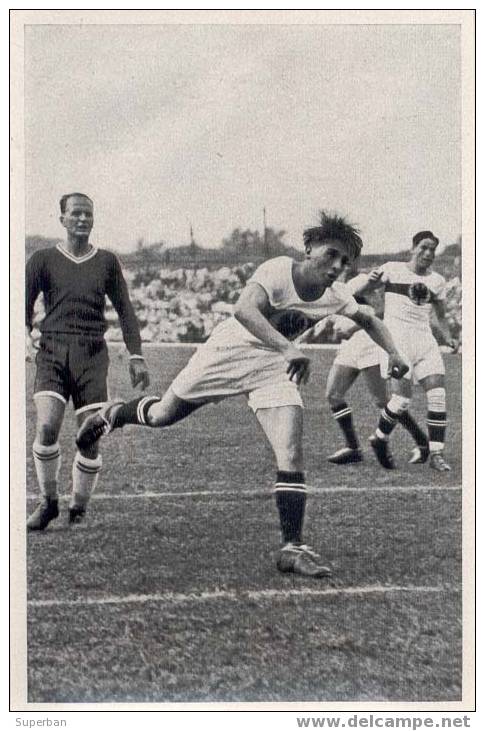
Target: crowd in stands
[(185, 304)]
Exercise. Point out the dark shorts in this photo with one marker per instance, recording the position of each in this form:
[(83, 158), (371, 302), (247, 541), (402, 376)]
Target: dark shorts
[(70, 366)]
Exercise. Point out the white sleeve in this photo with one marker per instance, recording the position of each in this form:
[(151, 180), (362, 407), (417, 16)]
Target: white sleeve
[(271, 276), (441, 289)]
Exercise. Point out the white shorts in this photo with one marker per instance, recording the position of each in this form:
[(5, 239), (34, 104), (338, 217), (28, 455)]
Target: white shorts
[(359, 352), (214, 373), (420, 351)]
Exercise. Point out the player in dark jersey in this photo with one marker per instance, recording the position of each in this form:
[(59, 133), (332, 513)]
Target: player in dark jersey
[(72, 359)]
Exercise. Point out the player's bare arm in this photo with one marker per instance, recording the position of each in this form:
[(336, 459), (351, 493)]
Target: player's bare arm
[(252, 310), (439, 325), (379, 333), (334, 323), (316, 331), (373, 282)]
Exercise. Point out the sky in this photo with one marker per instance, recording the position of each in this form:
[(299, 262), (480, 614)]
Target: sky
[(166, 126)]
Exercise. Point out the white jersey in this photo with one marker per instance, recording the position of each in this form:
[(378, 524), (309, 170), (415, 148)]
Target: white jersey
[(275, 276), (409, 297)]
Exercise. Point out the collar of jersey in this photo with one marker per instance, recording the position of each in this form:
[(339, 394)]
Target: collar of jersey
[(77, 259)]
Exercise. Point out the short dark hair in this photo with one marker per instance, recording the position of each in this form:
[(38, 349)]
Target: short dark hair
[(424, 235), (65, 198), (333, 226)]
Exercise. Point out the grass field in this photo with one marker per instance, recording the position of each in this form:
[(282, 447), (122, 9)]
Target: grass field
[(169, 593)]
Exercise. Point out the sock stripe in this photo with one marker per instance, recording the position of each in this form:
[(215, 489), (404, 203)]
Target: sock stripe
[(143, 407), (87, 470), (436, 414), (340, 414), (139, 411), (46, 457), (387, 417), (288, 487)]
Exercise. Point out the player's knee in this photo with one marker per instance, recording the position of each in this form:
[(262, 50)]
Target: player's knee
[(398, 404), (90, 452), (46, 434), (436, 398), (334, 398), (292, 455)]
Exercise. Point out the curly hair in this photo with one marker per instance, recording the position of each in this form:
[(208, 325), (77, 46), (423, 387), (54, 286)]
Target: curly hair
[(333, 226)]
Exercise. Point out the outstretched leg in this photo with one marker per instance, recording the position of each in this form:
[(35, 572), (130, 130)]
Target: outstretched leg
[(143, 411), (86, 467)]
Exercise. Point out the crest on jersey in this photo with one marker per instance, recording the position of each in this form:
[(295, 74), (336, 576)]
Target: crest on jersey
[(419, 293)]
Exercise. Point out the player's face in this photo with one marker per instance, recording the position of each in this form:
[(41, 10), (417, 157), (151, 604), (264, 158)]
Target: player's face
[(328, 260), (424, 253), (78, 217)]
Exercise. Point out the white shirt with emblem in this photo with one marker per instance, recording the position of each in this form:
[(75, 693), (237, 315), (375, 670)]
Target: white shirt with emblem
[(275, 276), (409, 297)]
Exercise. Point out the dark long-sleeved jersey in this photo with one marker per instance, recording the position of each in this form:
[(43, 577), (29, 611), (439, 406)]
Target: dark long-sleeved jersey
[(74, 292)]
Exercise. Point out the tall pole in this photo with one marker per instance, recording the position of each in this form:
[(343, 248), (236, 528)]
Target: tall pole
[(265, 237)]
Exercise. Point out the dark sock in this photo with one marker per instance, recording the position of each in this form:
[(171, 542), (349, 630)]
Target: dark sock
[(436, 421), (342, 413), (412, 426), (134, 412), (290, 491), (387, 422)]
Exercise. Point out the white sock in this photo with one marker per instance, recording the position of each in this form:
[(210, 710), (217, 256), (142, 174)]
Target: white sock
[(47, 460), (85, 474)]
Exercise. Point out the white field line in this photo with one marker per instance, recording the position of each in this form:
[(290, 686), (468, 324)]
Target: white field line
[(314, 491), (227, 594), (309, 346), (157, 346)]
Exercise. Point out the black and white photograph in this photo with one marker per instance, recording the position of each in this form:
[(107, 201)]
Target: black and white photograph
[(243, 282)]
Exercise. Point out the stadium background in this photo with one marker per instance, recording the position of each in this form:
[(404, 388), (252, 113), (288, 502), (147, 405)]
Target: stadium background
[(181, 293), (168, 592)]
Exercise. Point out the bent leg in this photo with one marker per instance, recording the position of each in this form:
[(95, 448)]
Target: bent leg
[(86, 467), (377, 387), (170, 409), (340, 379), (434, 386), (143, 411)]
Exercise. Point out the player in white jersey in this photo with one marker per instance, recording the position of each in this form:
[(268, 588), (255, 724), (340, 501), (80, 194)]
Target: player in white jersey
[(358, 354), (412, 292), (247, 355)]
